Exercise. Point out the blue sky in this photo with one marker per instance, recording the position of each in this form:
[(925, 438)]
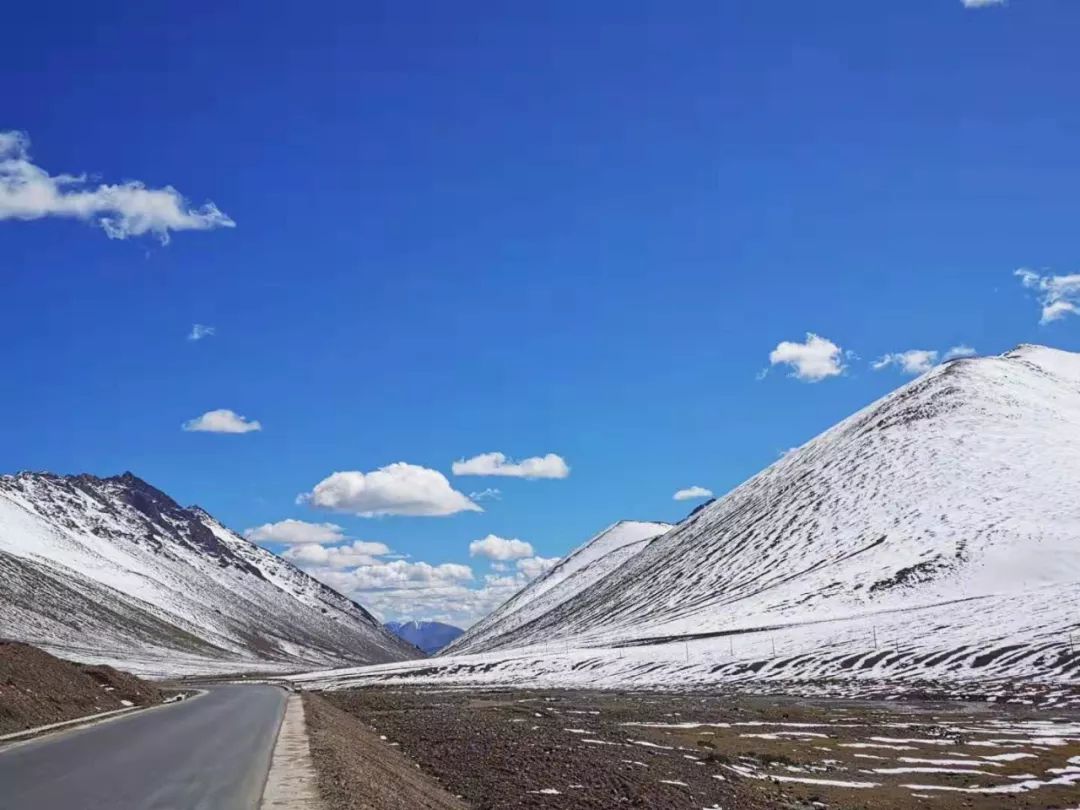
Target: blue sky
[(575, 229)]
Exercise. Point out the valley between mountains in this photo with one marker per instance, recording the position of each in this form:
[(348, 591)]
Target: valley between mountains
[(888, 616)]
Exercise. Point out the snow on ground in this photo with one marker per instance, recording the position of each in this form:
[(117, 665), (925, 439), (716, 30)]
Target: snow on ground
[(931, 537)]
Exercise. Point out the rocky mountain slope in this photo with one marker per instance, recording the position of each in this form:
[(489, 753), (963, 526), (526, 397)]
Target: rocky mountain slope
[(575, 573), (430, 637), (38, 689), (111, 570), (933, 535)]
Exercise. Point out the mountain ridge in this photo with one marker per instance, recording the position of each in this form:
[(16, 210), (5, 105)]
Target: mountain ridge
[(933, 535), (165, 588), (577, 571)]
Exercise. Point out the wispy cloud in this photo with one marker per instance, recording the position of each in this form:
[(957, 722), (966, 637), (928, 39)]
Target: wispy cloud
[(913, 361), (29, 192), (549, 466), (396, 489), (692, 493), (813, 361), (959, 351), (489, 494), (200, 331), (296, 532), (221, 421), (349, 555), (532, 567), (1059, 295), (982, 3)]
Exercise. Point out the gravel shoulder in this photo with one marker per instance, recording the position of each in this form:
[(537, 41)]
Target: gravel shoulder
[(357, 770)]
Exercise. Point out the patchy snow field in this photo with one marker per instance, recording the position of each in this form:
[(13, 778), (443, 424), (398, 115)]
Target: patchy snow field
[(511, 748)]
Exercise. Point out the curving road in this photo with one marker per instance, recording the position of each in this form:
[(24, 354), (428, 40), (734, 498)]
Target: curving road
[(211, 752)]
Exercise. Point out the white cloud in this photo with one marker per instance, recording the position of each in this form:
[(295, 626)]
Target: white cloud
[(1059, 295), (221, 421), (447, 592), (959, 351), (815, 360), (499, 548), (456, 604), (692, 493), (532, 567), (402, 589), (296, 532), (128, 209), (489, 494), (549, 466), (913, 361), (396, 575), (982, 3), (358, 553), (396, 489), (200, 331)]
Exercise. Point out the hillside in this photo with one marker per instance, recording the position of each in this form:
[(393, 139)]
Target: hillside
[(38, 689), (577, 572), (111, 570), (933, 535), (428, 636)]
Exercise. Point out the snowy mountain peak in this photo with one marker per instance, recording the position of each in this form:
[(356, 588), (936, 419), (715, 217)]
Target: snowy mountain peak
[(114, 570), (942, 516)]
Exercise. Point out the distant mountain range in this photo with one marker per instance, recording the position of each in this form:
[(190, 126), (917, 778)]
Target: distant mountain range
[(428, 636), (112, 570)]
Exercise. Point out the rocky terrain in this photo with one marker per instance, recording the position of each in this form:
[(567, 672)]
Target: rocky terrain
[(38, 689), (557, 749)]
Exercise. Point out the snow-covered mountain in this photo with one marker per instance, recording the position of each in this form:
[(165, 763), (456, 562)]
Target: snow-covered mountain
[(933, 535), (111, 570), (578, 571), (426, 635)]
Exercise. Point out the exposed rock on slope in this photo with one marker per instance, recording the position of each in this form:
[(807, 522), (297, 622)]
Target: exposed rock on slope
[(38, 689), (112, 570)]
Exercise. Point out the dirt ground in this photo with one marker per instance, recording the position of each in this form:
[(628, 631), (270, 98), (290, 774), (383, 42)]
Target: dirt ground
[(37, 688), (559, 749), (356, 770)]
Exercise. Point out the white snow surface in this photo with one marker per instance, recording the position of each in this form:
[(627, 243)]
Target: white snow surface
[(932, 536), (111, 570), (575, 573)]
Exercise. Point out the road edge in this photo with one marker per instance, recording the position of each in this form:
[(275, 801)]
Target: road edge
[(17, 739), (291, 779)]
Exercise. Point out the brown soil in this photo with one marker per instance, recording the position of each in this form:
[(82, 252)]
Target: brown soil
[(358, 771), (37, 689), (511, 749)]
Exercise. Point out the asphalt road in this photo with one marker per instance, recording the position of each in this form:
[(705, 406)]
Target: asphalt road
[(207, 753)]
